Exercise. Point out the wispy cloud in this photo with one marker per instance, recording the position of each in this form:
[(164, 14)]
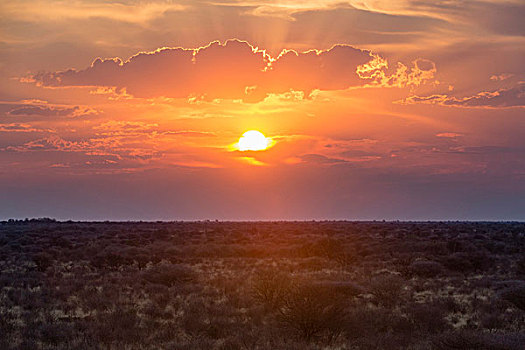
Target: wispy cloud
[(502, 98), (59, 10), (20, 127), (46, 110)]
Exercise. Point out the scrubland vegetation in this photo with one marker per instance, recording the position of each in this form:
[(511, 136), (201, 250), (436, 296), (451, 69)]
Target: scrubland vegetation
[(267, 285)]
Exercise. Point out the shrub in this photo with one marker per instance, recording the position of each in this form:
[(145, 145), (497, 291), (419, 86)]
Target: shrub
[(6, 326), (314, 263), (331, 249), (312, 311), (403, 263), (467, 262), (168, 274), (457, 262), (363, 322), (520, 267), (427, 318), (270, 287), (42, 261), (55, 333), (481, 260), (386, 290), (453, 341), (515, 295), (470, 340), (120, 325), (346, 288), (426, 269), (110, 258)]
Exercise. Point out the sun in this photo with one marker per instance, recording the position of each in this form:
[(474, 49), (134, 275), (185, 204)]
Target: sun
[(253, 140)]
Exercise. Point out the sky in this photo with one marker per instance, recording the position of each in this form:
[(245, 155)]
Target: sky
[(131, 110)]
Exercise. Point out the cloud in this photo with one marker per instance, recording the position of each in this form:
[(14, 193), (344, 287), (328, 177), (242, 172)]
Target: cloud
[(238, 70), (125, 128), (19, 127), (321, 159), (114, 148), (46, 110), (507, 97), (115, 128), (502, 76), (57, 10), (504, 18), (449, 135), (133, 144), (50, 143), (499, 17), (190, 133), (378, 72), (383, 15)]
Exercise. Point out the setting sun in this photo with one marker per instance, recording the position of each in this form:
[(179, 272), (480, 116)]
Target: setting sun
[(253, 140)]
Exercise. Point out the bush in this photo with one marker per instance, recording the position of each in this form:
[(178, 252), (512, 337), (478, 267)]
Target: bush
[(515, 295), (478, 341), (453, 341), (363, 322), (111, 258), (55, 333), (168, 274), (520, 267), (403, 263), (458, 262), (426, 269), (467, 262), (345, 288), (120, 325), (427, 318), (387, 290), (270, 287), (331, 249), (42, 261), (312, 311)]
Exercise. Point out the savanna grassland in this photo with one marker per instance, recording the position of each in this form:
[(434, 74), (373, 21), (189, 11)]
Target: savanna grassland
[(262, 285)]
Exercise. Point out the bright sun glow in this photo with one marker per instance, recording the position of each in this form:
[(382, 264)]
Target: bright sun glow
[(253, 140)]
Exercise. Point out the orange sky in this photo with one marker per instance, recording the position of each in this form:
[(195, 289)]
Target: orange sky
[(377, 109)]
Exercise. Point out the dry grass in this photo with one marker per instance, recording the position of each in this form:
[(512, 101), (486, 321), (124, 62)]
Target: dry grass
[(268, 285)]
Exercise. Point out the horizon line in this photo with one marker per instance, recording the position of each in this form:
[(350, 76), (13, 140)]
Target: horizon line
[(53, 220)]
